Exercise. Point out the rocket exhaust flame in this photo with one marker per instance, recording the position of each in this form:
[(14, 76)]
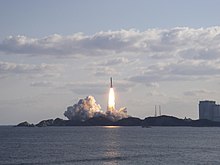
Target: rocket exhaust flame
[(111, 97), (111, 100)]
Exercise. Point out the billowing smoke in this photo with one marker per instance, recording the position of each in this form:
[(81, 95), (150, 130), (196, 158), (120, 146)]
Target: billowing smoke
[(84, 109), (117, 114), (88, 108)]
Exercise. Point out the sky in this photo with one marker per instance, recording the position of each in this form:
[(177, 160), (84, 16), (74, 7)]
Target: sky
[(52, 53)]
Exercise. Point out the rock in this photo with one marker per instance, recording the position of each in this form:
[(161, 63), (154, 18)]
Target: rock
[(25, 124), (45, 123), (59, 122)]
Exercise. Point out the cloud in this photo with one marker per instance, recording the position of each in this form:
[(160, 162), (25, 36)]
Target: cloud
[(150, 78), (76, 44), (175, 54), (86, 88), (114, 61), (178, 71), (41, 84), (152, 84), (182, 42), (110, 66), (9, 68), (156, 93), (201, 53), (198, 92), (200, 68), (104, 71)]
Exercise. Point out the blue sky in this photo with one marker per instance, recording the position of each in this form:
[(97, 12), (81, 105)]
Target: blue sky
[(158, 52), (40, 18)]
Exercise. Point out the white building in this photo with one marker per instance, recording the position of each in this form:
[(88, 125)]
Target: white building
[(209, 110)]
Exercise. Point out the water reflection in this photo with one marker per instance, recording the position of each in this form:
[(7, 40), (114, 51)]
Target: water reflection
[(112, 145), (112, 126)]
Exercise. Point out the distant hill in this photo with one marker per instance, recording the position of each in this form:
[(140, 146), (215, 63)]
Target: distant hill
[(130, 121), (165, 121), (174, 121), (98, 121), (25, 124)]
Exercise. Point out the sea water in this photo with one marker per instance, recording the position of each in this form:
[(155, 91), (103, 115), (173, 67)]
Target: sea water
[(109, 145)]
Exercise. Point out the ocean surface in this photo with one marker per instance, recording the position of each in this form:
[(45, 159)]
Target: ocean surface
[(109, 145)]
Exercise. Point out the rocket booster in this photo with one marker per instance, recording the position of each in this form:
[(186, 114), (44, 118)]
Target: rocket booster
[(111, 86)]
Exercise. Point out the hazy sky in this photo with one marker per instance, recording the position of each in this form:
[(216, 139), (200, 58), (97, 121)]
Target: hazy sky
[(158, 52)]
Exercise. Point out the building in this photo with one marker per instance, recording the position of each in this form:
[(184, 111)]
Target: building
[(209, 110)]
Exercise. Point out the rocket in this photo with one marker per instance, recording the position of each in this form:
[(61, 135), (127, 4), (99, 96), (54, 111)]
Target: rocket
[(111, 86)]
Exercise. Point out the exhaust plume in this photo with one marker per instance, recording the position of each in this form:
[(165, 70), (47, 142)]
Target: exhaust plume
[(88, 108), (85, 108), (111, 100)]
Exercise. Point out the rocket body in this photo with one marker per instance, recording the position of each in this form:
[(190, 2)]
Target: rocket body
[(111, 98)]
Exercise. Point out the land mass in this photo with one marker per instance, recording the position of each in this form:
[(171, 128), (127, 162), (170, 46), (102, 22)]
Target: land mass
[(130, 121)]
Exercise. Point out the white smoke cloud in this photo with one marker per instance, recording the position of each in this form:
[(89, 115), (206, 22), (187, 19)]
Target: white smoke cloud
[(84, 109), (88, 108), (117, 114)]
